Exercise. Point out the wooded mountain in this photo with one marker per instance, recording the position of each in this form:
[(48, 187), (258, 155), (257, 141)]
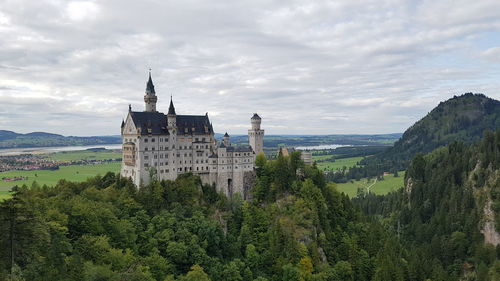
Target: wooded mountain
[(462, 118), (9, 139), (448, 214)]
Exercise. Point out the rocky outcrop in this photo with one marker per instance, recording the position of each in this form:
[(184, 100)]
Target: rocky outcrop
[(491, 236)]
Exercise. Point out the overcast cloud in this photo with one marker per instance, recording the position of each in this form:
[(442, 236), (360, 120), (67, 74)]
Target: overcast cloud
[(307, 67)]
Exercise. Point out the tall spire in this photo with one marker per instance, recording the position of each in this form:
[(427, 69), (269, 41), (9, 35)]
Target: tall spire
[(150, 88), (171, 108), (150, 98)]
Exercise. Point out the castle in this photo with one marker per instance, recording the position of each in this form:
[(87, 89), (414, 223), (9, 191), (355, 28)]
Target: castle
[(159, 146)]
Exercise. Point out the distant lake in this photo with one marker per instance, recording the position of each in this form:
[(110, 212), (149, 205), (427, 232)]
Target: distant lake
[(321, 147), (52, 149)]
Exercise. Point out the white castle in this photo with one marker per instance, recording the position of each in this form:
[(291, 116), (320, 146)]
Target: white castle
[(159, 146)]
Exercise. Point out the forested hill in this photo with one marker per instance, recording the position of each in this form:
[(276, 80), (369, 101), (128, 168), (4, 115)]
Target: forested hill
[(9, 139), (462, 118), (449, 208), (296, 228)]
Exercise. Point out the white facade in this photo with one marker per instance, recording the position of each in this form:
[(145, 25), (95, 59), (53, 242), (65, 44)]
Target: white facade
[(159, 146), (256, 135)]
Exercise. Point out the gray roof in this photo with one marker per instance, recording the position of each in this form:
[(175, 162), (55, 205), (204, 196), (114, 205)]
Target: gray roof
[(186, 123), (171, 108), (255, 116), (150, 88), (154, 123), (239, 149)]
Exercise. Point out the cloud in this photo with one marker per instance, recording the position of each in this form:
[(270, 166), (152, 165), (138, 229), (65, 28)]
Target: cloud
[(372, 66), (81, 10)]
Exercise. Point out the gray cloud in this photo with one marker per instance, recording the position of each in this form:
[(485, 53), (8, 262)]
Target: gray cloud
[(320, 67)]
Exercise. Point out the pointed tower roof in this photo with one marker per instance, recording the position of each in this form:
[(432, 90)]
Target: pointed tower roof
[(226, 135), (171, 108), (256, 116), (150, 88)]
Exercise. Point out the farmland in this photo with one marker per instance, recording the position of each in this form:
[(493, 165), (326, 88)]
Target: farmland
[(324, 164), (388, 184), (71, 172)]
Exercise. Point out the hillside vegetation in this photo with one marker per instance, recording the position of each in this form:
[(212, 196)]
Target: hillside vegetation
[(462, 118), (297, 227), (452, 197)]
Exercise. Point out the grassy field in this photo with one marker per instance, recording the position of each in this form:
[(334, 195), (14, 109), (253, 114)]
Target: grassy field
[(72, 173), (338, 164), (322, 157), (83, 155), (385, 186)]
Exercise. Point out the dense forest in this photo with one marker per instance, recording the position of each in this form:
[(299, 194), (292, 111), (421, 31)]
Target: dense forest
[(462, 118), (451, 196), (296, 227)]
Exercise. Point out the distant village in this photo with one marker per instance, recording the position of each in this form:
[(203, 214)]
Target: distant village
[(30, 162)]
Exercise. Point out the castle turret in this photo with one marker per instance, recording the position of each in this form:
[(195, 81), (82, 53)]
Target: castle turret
[(171, 116), (256, 135), (150, 96), (226, 140)]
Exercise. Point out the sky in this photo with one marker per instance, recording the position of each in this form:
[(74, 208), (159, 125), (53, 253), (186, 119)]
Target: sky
[(306, 67)]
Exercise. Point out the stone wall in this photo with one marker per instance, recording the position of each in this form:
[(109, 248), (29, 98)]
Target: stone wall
[(249, 179)]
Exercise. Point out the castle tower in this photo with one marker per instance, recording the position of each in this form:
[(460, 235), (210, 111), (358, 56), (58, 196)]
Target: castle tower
[(171, 116), (256, 135), (226, 140), (150, 96)]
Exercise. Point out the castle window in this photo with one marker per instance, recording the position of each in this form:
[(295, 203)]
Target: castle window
[(146, 165), (167, 170), (146, 149), (203, 139), (156, 156), (146, 140), (152, 140), (153, 148), (197, 168), (146, 157)]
